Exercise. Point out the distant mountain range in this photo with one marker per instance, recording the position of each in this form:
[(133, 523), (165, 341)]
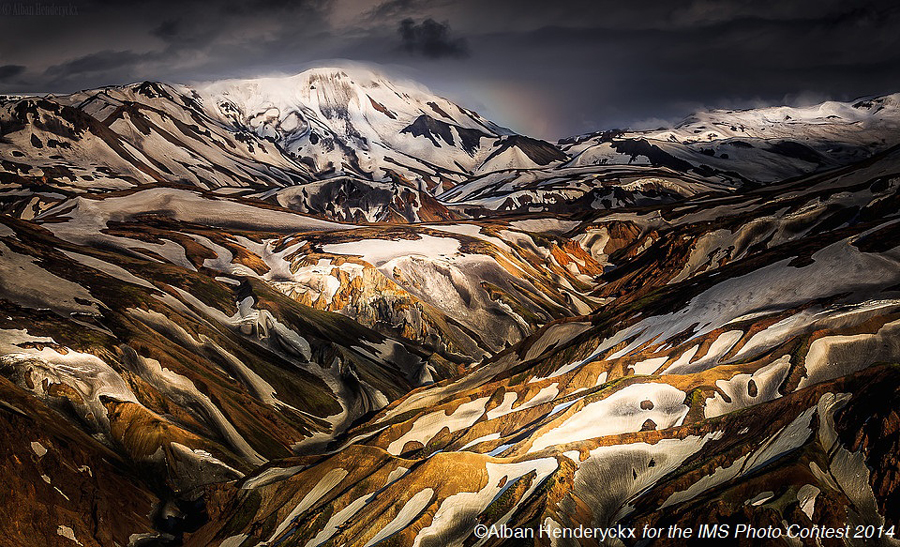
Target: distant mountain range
[(350, 144)]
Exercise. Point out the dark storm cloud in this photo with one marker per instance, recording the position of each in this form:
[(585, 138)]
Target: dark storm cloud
[(546, 68), (168, 29), (431, 39), (391, 10), (625, 70), (115, 43), (102, 61), (10, 71)]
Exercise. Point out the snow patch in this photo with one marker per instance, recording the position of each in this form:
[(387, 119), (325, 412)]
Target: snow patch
[(426, 427), (67, 533), (323, 487), (410, 510), (619, 413), (38, 449), (379, 251)]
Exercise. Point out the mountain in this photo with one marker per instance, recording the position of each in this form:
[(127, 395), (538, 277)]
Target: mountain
[(743, 371), (562, 190), (350, 144), (761, 145), (334, 309), (709, 152), (377, 149), (358, 121)]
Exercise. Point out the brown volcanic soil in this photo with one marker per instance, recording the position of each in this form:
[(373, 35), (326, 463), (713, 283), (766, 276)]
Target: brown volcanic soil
[(90, 490)]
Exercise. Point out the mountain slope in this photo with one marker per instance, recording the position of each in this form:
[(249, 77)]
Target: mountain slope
[(745, 344), (117, 321)]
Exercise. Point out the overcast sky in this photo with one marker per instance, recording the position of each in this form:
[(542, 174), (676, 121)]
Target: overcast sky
[(547, 68)]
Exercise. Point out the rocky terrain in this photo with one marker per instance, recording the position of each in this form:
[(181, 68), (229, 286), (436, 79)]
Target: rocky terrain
[(333, 309)]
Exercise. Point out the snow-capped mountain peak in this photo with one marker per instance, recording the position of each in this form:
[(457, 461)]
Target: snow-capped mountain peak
[(353, 119), (761, 145)]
